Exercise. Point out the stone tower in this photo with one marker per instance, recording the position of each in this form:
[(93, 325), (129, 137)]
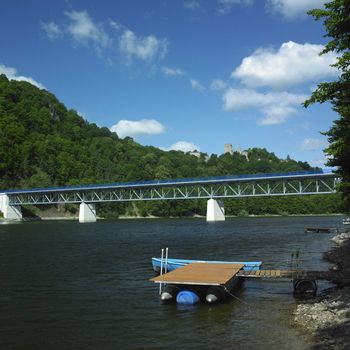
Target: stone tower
[(228, 148)]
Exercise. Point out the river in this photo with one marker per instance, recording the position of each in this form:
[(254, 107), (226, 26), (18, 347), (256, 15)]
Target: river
[(66, 285)]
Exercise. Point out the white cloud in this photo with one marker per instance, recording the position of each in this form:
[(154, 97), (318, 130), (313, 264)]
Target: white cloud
[(319, 161), (191, 4), (218, 84), (52, 30), (136, 128), (291, 9), (82, 114), (311, 144), (276, 107), (196, 85), (289, 65), (8, 71), (144, 48), (114, 24), (225, 6), (172, 72), (183, 146), (84, 30), (177, 72), (11, 74)]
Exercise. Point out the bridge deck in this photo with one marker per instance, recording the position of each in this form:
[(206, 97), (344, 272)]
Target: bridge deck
[(205, 274)]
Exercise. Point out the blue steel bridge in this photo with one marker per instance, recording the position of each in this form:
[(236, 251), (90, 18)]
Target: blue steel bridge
[(212, 188)]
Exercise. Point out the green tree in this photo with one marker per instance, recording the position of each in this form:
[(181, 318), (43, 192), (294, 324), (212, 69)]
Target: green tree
[(336, 17), (42, 143), (39, 179)]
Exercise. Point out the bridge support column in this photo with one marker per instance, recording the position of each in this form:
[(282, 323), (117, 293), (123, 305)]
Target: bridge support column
[(87, 212), (215, 210), (11, 212)]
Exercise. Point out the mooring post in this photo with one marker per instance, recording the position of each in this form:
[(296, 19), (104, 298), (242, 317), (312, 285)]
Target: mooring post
[(161, 271), (166, 260)]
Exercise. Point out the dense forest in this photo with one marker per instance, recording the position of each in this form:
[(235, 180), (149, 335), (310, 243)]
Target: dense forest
[(42, 144)]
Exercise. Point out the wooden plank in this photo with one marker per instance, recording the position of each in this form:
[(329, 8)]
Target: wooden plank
[(295, 274), (246, 273), (249, 273), (256, 274), (200, 273), (286, 273)]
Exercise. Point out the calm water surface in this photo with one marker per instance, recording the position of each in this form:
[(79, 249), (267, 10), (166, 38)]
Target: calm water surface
[(65, 285)]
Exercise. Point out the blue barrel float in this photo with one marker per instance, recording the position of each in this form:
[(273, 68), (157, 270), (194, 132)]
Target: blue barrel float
[(187, 297)]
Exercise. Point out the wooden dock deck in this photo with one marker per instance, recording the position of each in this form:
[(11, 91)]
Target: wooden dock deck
[(205, 274), (291, 274)]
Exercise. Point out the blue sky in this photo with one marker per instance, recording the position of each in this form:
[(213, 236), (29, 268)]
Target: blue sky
[(179, 74)]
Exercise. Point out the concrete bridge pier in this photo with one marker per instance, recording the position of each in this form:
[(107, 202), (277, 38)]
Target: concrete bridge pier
[(11, 212), (87, 212), (215, 210)]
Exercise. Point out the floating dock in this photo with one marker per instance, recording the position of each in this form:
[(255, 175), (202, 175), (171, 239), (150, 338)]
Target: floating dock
[(198, 281), (203, 274), (319, 229), (218, 279)]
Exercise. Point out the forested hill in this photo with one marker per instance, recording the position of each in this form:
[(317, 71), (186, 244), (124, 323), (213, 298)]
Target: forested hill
[(42, 143)]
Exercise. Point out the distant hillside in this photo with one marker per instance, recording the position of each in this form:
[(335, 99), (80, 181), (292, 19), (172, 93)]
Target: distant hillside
[(42, 143)]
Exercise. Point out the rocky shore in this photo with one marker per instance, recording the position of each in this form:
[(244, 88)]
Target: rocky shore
[(328, 317)]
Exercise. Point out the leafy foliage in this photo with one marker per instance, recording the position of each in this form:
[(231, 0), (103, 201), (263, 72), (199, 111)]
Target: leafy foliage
[(336, 16), (43, 144)]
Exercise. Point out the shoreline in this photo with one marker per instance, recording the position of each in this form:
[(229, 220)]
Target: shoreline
[(151, 217), (327, 317)]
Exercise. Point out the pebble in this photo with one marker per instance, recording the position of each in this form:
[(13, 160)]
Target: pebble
[(329, 319)]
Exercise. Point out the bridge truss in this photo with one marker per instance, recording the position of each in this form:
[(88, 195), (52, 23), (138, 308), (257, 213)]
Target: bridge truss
[(306, 183)]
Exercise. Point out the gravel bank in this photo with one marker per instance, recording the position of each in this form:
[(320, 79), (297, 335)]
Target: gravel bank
[(328, 317)]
